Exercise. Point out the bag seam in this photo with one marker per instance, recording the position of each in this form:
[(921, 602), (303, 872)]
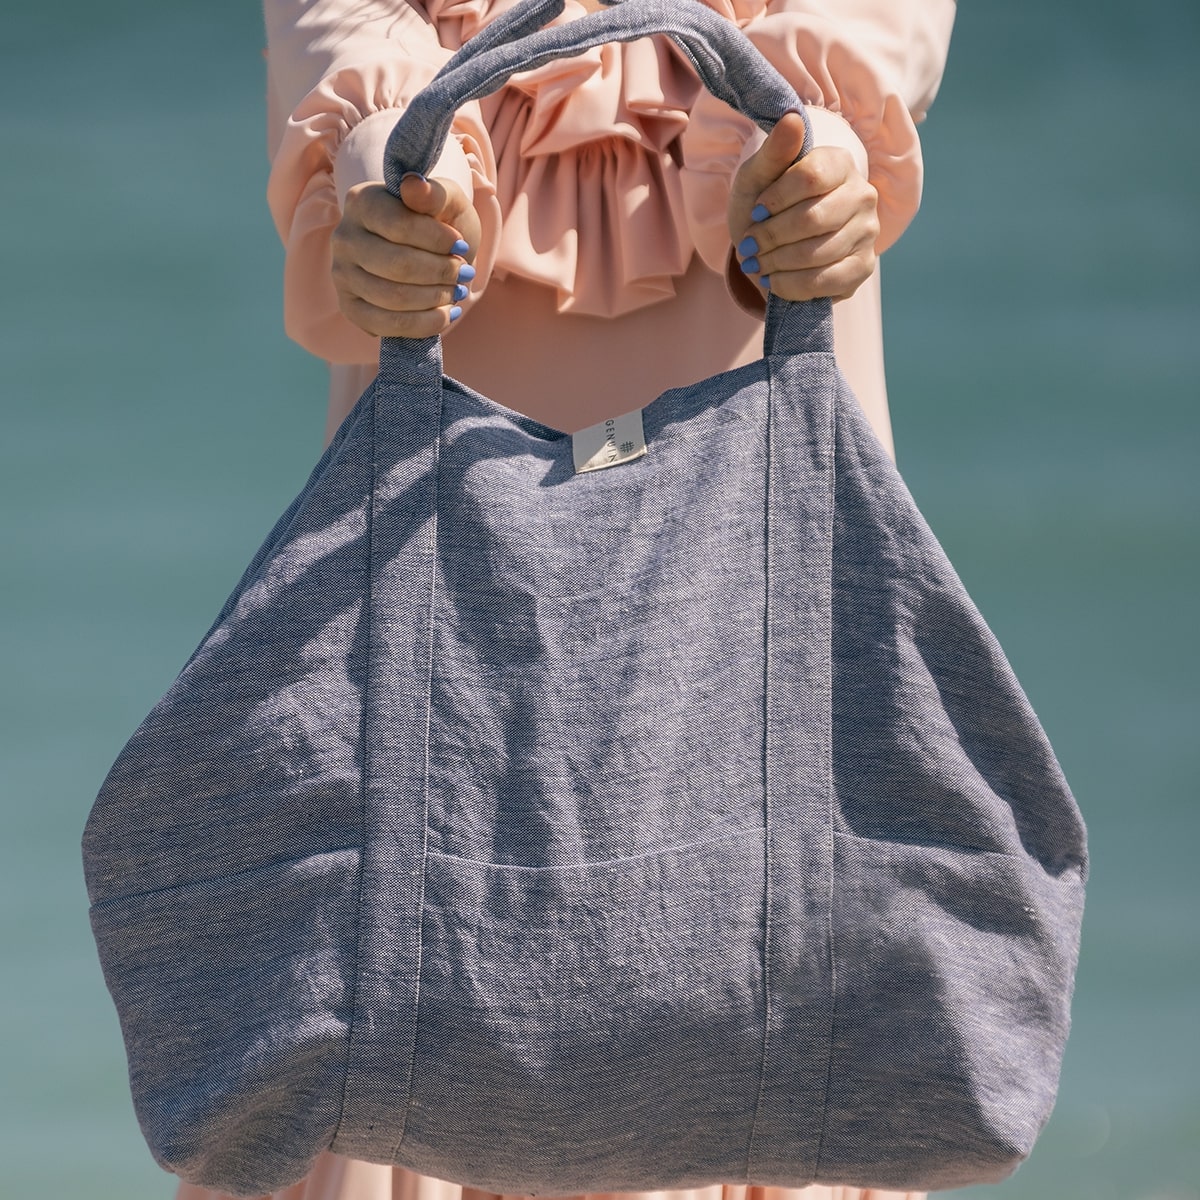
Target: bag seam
[(369, 621), (436, 471), (766, 774), (827, 761)]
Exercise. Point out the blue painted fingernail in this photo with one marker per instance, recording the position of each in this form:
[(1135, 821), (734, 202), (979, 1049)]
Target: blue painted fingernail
[(466, 273), (455, 313), (460, 291), (747, 246), (765, 280), (760, 212), (413, 175), (750, 266), (460, 247)]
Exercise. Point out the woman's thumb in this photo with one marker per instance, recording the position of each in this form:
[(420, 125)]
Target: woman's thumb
[(780, 149), (421, 195), (775, 155)]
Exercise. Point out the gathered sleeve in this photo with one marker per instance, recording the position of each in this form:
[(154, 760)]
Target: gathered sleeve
[(867, 70), (339, 74)]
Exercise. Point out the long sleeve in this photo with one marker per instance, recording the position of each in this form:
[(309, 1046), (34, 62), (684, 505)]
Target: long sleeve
[(868, 69), (339, 74)]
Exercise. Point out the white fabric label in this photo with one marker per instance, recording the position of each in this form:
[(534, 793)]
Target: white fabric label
[(609, 443)]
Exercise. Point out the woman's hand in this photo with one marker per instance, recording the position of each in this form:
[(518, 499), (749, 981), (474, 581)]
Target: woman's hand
[(807, 227), (403, 269)]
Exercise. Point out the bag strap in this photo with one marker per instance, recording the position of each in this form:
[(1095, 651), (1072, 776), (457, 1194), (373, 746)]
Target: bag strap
[(724, 59)]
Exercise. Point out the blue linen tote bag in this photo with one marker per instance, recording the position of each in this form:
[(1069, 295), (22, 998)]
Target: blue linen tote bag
[(556, 816)]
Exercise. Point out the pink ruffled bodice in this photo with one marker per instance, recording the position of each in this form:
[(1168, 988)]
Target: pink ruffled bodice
[(587, 179)]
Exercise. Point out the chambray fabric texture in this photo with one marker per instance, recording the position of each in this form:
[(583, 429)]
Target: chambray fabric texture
[(676, 823)]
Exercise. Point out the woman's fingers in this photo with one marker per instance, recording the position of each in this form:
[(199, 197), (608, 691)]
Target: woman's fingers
[(403, 297), (850, 208), (421, 296), (446, 202), (382, 322), (797, 276), (815, 231), (364, 251), (836, 280), (382, 286), (371, 209), (770, 161), (797, 239), (399, 269), (819, 173)]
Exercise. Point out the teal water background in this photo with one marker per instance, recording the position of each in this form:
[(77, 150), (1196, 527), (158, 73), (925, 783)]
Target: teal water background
[(1043, 339)]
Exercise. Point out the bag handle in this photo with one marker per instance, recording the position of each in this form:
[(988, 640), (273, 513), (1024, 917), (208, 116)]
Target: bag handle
[(725, 60), (728, 64)]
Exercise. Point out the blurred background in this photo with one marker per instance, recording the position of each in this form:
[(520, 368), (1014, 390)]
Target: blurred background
[(1044, 363)]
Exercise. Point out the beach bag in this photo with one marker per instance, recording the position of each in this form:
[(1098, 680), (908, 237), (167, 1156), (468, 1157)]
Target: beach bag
[(646, 808)]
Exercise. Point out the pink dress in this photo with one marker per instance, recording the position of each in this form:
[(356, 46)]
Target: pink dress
[(604, 273)]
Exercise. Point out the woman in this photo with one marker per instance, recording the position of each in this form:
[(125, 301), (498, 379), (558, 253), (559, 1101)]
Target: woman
[(598, 231)]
